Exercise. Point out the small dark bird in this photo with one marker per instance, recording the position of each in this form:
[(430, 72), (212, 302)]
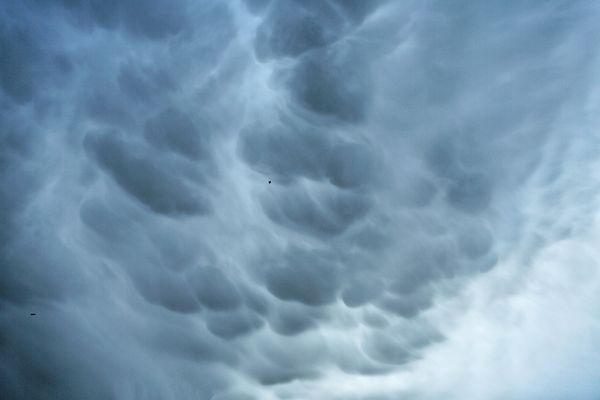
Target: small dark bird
[(269, 182), (32, 313)]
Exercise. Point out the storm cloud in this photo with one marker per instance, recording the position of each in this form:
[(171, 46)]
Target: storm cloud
[(288, 199)]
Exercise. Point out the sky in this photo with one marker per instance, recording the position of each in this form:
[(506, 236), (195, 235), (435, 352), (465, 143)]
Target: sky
[(300, 199)]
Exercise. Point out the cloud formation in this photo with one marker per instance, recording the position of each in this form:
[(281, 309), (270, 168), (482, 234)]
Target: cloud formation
[(285, 199)]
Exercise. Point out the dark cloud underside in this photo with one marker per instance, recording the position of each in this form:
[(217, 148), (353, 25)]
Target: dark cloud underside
[(288, 199)]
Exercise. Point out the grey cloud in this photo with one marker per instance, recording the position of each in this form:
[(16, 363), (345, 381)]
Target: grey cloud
[(279, 364), (18, 49), (141, 177), (468, 190), (476, 241), (374, 319), (387, 350), (255, 299), (284, 151), (229, 325), (329, 214), (214, 289), (272, 375), (233, 396), (417, 192), (422, 265), (293, 318), (18, 143), (109, 108), (173, 130), (46, 379), (107, 223), (331, 83), (470, 193), (442, 158), (257, 6), (166, 289), (371, 236), (291, 28), (27, 280), (362, 292), (398, 349), (407, 305), (144, 83), (297, 199), (175, 253), (141, 19), (289, 150), (190, 344), (307, 278), (357, 10), (27, 66), (350, 165)]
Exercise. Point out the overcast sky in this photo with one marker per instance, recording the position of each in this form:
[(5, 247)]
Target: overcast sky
[(300, 199)]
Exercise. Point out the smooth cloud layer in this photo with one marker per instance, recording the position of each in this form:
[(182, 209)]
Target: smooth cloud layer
[(431, 216)]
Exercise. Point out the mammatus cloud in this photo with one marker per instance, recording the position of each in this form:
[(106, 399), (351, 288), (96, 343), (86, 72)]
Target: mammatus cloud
[(292, 199)]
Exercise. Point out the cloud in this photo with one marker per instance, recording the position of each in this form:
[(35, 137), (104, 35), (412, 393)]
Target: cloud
[(327, 214), (336, 199), (140, 19), (305, 278), (330, 83), (215, 290), (173, 130), (142, 178)]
